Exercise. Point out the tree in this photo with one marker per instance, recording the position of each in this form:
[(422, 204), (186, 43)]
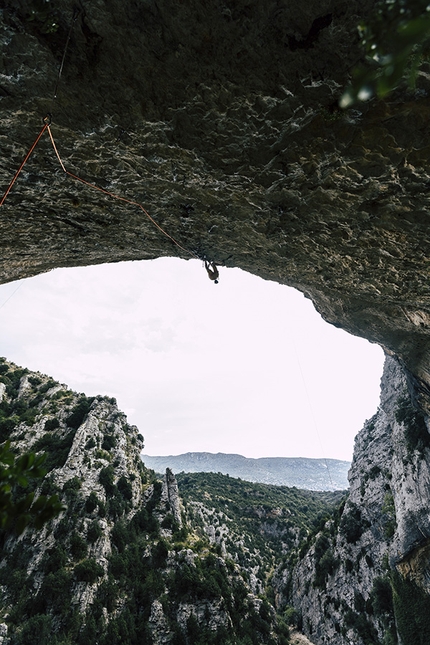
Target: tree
[(19, 510), (395, 39)]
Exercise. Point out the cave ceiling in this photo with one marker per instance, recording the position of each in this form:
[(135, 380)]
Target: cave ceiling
[(222, 119)]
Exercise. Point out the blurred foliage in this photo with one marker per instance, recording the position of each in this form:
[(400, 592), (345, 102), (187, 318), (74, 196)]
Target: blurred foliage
[(17, 509), (396, 39)]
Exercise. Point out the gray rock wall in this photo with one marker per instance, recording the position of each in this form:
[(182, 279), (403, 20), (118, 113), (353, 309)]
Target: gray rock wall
[(383, 528), (223, 121)]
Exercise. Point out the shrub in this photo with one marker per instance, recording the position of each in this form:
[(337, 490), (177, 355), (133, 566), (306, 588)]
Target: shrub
[(92, 502), (416, 433), (120, 536), (108, 593), (47, 386), (57, 448), (389, 511), (109, 442), (78, 547), (55, 592), (382, 596), (125, 488), (54, 560), (325, 562), (106, 477), (79, 412), (36, 631), (352, 525), (90, 443), (88, 571), (94, 532), (412, 610), (159, 554), (51, 424), (73, 484)]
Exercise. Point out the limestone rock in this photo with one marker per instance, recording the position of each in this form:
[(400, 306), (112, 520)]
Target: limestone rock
[(170, 496), (119, 556), (222, 120), (3, 634), (384, 525)]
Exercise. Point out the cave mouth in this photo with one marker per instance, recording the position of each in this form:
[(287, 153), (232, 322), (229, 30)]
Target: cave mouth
[(246, 366)]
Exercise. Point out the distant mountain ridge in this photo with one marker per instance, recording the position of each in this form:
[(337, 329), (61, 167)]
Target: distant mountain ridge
[(310, 474)]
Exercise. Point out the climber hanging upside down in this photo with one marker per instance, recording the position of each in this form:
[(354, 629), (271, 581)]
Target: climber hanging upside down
[(212, 270)]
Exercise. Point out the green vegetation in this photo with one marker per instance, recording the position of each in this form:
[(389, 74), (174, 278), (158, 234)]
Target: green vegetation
[(18, 509), (55, 447), (381, 599), (395, 40), (352, 524), (389, 511), (325, 562), (259, 525), (88, 571), (412, 610), (416, 433), (236, 537), (79, 412), (360, 623)]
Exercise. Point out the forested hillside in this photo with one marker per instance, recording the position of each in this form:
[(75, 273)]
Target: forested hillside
[(130, 560), (253, 524)]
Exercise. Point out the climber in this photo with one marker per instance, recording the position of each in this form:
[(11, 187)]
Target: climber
[(212, 270)]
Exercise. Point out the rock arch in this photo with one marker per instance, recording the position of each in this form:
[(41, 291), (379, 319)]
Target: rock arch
[(222, 120)]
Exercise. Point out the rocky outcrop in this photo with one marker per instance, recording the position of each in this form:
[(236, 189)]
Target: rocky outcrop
[(170, 496), (119, 565), (353, 577), (223, 121)]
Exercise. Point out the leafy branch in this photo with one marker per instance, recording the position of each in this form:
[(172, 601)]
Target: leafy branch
[(395, 41), (18, 511)]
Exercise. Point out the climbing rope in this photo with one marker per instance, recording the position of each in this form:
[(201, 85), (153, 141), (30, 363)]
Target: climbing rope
[(46, 126), (123, 199), (39, 136), (76, 13)]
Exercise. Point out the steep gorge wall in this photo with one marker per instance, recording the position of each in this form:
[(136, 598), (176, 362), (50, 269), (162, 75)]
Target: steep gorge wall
[(222, 120), (364, 577)]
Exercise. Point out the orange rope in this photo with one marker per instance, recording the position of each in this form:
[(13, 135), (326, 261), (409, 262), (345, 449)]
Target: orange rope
[(123, 199), (47, 121), (46, 125)]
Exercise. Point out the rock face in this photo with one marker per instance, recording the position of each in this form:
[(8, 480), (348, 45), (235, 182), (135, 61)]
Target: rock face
[(357, 580), (119, 565), (170, 496), (222, 120)]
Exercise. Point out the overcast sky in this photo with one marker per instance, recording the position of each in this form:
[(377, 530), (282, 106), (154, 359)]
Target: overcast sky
[(246, 366)]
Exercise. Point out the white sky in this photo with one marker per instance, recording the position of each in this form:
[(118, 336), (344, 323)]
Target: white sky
[(246, 366)]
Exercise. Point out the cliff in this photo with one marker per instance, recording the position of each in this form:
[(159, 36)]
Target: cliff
[(222, 120), (120, 565), (363, 577)]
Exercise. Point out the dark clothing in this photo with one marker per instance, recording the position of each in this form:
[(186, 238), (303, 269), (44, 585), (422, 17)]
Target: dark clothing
[(212, 270)]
